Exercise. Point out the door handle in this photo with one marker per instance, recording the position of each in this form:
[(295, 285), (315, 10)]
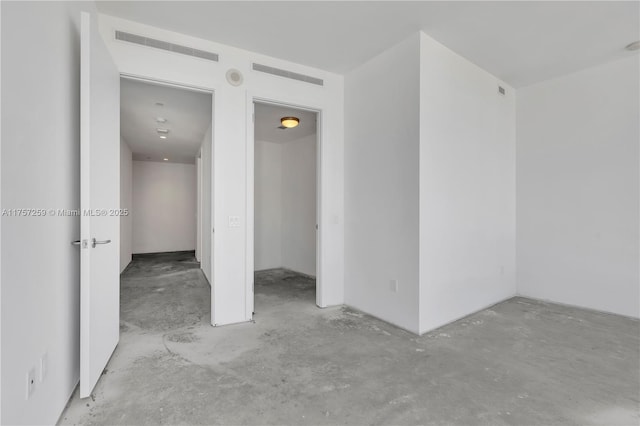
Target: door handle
[(95, 242), (81, 243)]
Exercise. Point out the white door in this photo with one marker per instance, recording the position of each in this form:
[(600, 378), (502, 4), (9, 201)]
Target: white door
[(99, 201)]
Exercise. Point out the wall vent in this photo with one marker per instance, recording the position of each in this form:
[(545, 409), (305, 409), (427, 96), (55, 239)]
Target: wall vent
[(287, 74), (501, 90), (159, 44)]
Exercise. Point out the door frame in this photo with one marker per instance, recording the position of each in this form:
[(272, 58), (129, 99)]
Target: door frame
[(199, 194), (199, 209), (278, 100)]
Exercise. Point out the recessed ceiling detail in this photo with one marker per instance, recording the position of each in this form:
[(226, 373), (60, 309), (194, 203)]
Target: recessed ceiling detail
[(187, 114), (164, 45)]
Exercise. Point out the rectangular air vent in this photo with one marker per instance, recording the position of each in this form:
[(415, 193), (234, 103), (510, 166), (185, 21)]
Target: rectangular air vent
[(288, 74), (159, 44)]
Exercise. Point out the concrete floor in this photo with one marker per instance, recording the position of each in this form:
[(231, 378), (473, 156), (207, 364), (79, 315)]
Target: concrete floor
[(518, 363)]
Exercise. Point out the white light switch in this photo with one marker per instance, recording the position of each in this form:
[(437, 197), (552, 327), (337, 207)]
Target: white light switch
[(234, 221)]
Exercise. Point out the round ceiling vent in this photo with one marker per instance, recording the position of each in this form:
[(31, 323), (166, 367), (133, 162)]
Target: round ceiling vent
[(234, 77)]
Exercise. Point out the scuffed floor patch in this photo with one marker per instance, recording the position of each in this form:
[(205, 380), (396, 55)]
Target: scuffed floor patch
[(519, 362)]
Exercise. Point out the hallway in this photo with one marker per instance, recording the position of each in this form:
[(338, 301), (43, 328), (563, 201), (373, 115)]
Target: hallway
[(519, 362)]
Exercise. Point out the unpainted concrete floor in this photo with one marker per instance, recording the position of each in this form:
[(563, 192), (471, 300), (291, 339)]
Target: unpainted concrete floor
[(520, 362)]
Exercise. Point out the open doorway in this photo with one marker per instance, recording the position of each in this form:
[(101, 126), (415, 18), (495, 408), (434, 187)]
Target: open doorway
[(165, 162), (285, 203)]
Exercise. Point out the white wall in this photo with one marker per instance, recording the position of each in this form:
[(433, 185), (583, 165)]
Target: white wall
[(382, 101), (207, 197), (467, 187), (577, 170), (164, 207), (285, 205), (268, 205), (126, 189), (299, 205), (233, 271), (40, 169)]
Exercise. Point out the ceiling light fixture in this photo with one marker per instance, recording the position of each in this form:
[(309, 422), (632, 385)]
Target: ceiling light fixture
[(290, 122), (633, 46), (163, 137), (165, 159), (163, 131), (161, 120)]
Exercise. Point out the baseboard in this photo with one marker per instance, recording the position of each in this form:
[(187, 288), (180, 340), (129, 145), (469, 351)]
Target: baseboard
[(267, 269), (286, 269), (153, 253), (355, 308), (73, 391), (126, 267), (569, 305), (299, 273), (422, 333)]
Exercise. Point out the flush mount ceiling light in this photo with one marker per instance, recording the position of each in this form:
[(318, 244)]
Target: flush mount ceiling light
[(633, 46), (161, 120), (289, 122), (165, 159), (163, 131), (163, 137)]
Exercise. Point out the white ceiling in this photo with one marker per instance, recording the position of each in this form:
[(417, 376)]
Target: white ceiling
[(188, 115), (519, 42), (268, 120)]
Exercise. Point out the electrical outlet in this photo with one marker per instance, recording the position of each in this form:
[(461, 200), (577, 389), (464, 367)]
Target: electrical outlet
[(44, 362), (31, 383), (393, 286)]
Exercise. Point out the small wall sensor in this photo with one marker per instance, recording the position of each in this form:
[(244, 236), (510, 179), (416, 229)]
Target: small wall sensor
[(501, 90), (234, 77)]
